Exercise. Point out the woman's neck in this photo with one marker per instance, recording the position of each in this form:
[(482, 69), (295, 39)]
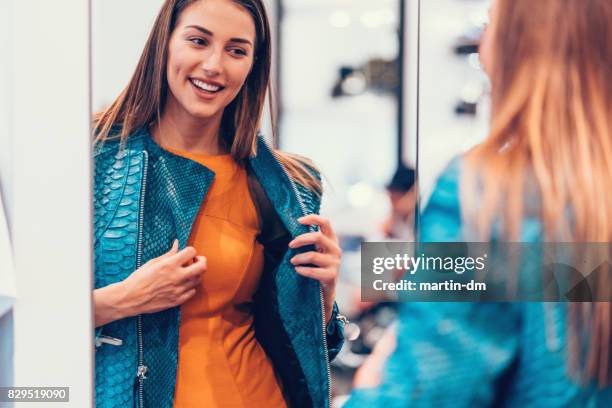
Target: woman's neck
[(181, 131)]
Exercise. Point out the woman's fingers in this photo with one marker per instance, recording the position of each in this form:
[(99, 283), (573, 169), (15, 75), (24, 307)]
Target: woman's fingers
[(314, 258), (320, 240), (322, 267), (183, 256), (186, 296), (197, 267), (194, 271), (323, 275), (323, 223)]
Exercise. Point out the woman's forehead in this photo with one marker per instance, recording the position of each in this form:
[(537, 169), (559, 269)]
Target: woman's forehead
[(223, 18)]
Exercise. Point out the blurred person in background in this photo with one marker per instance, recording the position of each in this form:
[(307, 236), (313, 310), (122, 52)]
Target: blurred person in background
[(399, 225), (402, 194), (179, 164), (544, 174)]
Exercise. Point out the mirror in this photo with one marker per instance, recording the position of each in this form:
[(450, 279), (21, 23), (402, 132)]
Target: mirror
[(453, 89), (337, 71)]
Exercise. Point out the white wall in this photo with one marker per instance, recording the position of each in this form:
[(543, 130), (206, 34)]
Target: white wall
[(119, 32), (50, 194)]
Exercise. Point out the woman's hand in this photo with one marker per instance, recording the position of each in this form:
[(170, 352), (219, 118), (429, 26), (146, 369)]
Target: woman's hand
[(159, 284), (322, 264)]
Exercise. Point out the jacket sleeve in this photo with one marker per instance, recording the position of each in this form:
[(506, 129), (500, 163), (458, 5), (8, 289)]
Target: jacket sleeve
[(448, 354)]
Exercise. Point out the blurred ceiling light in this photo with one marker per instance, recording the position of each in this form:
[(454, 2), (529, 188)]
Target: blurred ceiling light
[(360, 194), (474, 60), (340, 19), (472, 92), (377, 18), (354, 84)]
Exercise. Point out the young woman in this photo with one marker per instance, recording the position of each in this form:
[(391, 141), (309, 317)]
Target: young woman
[(551, 134), (179, 164)]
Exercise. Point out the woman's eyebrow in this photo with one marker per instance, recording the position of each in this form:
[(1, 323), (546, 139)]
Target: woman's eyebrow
[(208, 32)]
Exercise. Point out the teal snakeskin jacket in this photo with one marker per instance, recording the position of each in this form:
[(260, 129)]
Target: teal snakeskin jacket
[(144, 198), (477, 354)]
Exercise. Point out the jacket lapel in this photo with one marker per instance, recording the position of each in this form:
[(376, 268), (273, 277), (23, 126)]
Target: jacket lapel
[(297, 297), (177, 184), (278, 187)]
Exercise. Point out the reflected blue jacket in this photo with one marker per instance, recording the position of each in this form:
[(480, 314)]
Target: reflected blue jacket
[(477, 354), (144, 198)]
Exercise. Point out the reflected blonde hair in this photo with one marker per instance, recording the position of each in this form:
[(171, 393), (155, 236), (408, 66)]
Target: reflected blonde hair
[(142, 101), (552, 127)]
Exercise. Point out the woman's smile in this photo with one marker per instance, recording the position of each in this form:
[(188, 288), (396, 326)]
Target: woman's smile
[(210, 55), (205, 88)]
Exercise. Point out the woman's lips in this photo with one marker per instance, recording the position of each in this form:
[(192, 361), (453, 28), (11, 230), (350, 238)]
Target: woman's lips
[(205, 89)]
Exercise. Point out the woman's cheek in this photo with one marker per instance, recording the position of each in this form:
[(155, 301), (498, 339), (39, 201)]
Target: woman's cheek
[(238, 84)]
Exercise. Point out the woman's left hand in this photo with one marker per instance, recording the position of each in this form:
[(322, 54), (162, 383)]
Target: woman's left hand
[(322, 264)]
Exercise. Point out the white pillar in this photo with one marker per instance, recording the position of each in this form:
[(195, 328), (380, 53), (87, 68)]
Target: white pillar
[(51, 196)]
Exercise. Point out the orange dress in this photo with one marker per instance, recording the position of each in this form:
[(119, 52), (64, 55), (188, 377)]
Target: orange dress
[(221, 364)]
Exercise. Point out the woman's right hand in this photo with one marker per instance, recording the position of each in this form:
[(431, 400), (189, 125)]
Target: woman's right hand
[(161, 283)]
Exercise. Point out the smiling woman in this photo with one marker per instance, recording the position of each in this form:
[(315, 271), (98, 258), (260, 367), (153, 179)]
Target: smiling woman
[(210, 55), (215, 276)]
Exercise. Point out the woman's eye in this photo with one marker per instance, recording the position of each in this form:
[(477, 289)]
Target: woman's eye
[(198, 41), (239, 52)]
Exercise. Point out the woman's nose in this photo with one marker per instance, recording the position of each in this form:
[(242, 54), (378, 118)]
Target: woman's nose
[(211, 65)]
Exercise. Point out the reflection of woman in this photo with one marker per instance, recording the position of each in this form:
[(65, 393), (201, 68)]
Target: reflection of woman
[(178, 158), (544, 174)]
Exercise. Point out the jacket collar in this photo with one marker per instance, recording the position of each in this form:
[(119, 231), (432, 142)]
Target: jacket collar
[(277, 185), (279, 188)]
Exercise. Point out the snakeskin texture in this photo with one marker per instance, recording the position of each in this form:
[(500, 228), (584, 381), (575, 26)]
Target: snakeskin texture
[(300, 314), (174, 190), (477, 354), (117, 191)]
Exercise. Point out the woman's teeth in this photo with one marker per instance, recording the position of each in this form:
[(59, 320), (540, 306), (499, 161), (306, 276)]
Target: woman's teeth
[(206, 86)]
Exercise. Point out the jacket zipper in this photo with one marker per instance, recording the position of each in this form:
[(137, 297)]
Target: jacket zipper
[(323, 320), (142, 369)]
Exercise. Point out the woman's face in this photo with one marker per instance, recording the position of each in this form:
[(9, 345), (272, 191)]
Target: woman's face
[(487, 41), (210, 54)]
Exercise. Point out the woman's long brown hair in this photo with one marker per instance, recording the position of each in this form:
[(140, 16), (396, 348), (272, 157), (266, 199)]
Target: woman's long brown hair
[(142, 101), (552, 128)]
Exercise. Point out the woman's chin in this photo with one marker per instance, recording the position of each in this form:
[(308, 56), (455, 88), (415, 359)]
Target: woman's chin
[(204, 114)]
